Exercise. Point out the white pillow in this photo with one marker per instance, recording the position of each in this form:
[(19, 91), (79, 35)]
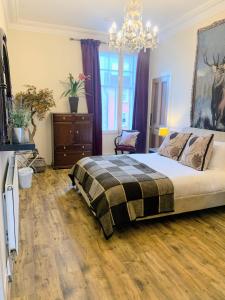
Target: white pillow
[(128, 138), (217, 161)]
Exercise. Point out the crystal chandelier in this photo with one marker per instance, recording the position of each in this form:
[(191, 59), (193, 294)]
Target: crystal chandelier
[(133, 35)]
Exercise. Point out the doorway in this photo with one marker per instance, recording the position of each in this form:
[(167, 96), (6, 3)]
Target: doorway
[(159, 108)]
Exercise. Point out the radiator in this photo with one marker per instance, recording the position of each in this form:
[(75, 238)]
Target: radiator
[(11, 197)]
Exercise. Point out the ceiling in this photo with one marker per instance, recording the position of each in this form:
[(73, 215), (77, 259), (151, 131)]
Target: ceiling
[(97, 15)]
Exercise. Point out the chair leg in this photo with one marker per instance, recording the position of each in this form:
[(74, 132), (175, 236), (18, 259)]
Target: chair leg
[(122, 151), (115, 152)]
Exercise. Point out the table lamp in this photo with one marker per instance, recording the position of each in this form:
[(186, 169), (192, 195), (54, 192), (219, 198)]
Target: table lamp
[(163, 131)]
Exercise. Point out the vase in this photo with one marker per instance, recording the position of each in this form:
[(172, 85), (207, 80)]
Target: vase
[(20, 136), (73, 104)]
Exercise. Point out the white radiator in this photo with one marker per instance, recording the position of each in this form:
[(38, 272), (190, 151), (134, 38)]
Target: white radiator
[(11, 197)]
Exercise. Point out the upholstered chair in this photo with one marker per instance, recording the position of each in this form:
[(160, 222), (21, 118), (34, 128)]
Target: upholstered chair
[(126, 141)]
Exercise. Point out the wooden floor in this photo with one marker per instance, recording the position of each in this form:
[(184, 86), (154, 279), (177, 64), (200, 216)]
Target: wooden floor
[(63, 254)]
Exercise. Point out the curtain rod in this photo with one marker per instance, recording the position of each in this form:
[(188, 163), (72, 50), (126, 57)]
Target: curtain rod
[(78, 40)]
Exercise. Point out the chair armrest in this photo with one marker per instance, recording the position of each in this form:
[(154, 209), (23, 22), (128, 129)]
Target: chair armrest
[(116, 140)]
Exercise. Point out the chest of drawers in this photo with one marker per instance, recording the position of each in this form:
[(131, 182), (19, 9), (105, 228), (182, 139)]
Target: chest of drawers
[(72, 138)]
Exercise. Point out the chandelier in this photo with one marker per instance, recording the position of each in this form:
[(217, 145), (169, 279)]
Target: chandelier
[(133, 35)]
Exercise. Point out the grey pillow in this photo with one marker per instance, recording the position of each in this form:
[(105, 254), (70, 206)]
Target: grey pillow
[(174, 144), (198, 152)]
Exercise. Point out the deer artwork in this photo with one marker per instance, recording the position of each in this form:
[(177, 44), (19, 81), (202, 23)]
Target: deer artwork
[(218, 90)]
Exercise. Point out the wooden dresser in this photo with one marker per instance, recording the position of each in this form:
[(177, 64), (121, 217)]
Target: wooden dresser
[(72, 138)]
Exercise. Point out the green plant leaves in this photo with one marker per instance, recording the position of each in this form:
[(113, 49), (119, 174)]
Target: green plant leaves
[(20, 118), (76, 88)]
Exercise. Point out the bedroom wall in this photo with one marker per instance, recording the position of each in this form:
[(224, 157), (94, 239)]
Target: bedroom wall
[(44, 59), (176, 56), (2, 16), (3, 164)]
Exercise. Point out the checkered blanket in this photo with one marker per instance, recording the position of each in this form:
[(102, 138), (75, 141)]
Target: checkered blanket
[(121, 189)]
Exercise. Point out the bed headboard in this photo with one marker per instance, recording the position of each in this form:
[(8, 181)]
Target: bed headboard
[(219, 136)]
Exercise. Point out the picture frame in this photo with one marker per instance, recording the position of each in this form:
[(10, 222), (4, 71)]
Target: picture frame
[(5, 90), (208, 93)]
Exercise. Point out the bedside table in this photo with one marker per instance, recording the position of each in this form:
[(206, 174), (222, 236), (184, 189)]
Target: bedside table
[(153, 150)]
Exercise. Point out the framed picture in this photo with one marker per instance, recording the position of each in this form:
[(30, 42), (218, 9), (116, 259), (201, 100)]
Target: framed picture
[(5, 90), (208, 99)]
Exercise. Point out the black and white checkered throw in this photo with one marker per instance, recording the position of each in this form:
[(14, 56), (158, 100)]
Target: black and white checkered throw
[(121, 189)]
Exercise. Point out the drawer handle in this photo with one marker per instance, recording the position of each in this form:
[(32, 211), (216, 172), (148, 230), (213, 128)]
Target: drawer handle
[(77, 131), (70, 131), (83, 154), (64, 147), (64, 155), (82, 118), (82, 147), (64, 118)]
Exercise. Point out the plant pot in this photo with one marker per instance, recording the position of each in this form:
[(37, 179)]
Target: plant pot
[(73, 104), (20, 136)]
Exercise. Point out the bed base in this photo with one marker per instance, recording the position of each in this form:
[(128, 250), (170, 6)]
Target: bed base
[(181, 205)]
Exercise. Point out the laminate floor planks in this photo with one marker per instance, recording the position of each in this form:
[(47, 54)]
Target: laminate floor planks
[(63, 254)]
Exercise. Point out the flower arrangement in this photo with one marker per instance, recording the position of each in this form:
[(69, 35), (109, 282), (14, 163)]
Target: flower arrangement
[(38, 102), (19, 122), (76, 87)]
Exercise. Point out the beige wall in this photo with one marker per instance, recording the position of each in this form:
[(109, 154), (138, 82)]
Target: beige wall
[(3, 163), (44, 60), (2, 17), (176, 56)]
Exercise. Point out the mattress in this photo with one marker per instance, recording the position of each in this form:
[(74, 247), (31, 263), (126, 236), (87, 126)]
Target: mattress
[(193, 190)]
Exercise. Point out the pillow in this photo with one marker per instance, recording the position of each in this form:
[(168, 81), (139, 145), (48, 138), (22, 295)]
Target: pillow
[(174, 144), (217, 161), (197, 152), (128, 138)]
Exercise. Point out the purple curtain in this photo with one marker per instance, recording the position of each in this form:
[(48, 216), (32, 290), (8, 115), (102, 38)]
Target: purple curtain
[(140, 114), (90, 58)]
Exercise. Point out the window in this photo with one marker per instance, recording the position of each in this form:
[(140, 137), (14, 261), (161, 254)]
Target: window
[(118, 74), (129, 76)]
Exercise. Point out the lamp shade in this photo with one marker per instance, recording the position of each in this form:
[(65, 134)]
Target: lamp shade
[(163, 131)]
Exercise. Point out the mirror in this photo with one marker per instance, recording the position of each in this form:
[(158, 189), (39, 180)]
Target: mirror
[(5, 89)]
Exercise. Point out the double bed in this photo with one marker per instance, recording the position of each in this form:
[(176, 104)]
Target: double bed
[(192, 190)]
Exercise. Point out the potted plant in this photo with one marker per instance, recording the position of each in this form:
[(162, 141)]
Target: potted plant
[(38, 102), (19, 121), (74, 89)]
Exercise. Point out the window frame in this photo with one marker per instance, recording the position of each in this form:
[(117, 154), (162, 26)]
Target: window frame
[(121, 55)]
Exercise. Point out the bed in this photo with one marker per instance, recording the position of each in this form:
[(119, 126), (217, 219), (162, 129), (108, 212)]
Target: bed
[(192, 190)]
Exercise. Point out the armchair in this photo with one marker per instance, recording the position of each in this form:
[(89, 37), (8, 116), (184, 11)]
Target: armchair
[(126, 147)]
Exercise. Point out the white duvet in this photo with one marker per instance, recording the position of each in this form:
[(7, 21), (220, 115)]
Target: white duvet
[(186, 181)]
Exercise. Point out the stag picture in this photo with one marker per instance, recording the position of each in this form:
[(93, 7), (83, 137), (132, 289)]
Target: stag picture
[(208, 102)]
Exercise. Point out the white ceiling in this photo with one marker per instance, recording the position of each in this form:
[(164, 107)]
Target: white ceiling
[(97, 15)]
